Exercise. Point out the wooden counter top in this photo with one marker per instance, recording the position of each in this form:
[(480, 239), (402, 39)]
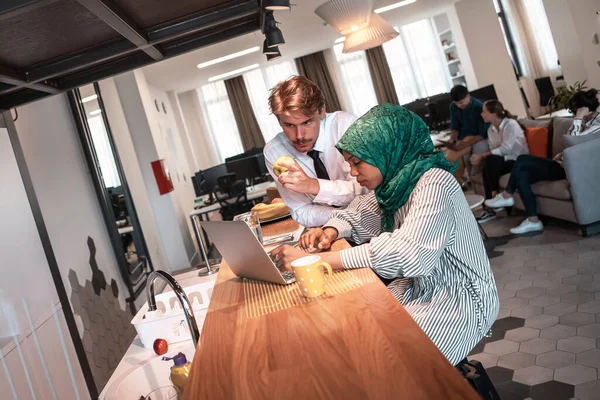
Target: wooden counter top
[(265, 341)]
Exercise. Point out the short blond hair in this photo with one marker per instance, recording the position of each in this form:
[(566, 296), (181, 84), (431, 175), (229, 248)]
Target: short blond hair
[(297, 93)]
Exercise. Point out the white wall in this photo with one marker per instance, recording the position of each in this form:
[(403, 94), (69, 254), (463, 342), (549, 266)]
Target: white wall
[(203, 145), (65, 191), (487, 50), (26, 278), (573, 22), (137, 106)]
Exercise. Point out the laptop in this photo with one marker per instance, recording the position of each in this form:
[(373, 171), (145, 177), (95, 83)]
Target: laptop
[(243, 252)]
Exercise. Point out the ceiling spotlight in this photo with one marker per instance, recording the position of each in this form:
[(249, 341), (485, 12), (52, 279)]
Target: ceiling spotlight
[(267, 50), (273, 33), (271, 57), (276, 5)]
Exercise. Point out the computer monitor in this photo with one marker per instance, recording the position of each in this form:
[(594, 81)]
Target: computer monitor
[(245, 168), (485, 93), (210, 176), (438, 108)]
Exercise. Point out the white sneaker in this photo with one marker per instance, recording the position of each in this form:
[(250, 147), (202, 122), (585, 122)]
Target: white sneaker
[(527, 226), (499, 201)]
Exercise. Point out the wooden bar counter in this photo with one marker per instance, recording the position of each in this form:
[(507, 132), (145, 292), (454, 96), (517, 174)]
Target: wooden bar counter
[(266, 341)]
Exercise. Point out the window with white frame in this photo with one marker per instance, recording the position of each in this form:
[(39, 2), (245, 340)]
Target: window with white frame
[(104, 152), (356, 80), (416, 62), (220, 120), (540, 34), (259, 84)]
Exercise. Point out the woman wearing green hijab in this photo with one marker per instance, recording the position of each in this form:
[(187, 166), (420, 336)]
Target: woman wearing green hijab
[(415, 228)]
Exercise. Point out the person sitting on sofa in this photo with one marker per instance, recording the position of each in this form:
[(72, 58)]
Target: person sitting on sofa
[(529, 169), (467, 127), (506, 138)]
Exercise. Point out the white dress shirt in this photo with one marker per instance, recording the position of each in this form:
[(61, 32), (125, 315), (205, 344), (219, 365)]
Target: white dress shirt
[(309, 210), (509, 141)]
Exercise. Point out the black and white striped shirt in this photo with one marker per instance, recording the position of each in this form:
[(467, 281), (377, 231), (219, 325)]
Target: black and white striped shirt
[(435, 253)]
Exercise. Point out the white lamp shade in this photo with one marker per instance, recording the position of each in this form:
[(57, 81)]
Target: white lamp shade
[(378, 32), (346, 16)]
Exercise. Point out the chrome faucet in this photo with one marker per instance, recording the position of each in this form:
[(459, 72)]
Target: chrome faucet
[(181, 296)]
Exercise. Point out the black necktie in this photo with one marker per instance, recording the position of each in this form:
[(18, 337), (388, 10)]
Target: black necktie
[(319, 166)]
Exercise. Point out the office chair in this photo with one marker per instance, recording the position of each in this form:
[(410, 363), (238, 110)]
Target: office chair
[(546, 90), (233, 199)]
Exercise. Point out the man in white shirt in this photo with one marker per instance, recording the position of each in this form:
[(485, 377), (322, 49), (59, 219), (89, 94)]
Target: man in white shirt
[(319, 179)]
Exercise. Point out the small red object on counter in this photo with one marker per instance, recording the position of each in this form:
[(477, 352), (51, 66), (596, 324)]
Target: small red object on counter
[(160, 346)]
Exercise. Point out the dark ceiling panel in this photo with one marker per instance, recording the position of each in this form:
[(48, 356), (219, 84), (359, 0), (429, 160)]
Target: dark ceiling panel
[(48, 32), (147, 13)]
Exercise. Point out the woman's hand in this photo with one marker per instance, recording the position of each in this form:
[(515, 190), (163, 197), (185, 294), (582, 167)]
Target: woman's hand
[(318, 239), (285, 255)]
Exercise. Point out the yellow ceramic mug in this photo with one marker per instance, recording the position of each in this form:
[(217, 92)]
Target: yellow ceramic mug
[(310, 275)]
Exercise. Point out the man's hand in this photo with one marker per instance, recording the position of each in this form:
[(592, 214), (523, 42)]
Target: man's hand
[(296, 180), (318, 239), (285, 255)]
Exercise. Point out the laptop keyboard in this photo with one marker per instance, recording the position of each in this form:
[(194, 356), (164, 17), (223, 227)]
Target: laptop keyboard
[(288, 276)]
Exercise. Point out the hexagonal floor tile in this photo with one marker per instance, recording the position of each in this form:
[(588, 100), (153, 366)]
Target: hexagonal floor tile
[(552, 390), (563, 273), (558, 332), (518, 285), (576, 344), (541, 321), (516, 360), (513, 302), (552, 284), (563, 289), (526, 312), (504, 294), (537, 346), (592, 330), (590, 287), (590, 358), (560, 309), (575, 374), (588, 391), (501, 347), (531, 292), (513, 391), (577, 298), (522, 334), (555, 359), (577, 319), (499, 375), (544, 300), (487, 360), (506, 324), (592, 307), (503, 313), (578, 279), (533, 375)]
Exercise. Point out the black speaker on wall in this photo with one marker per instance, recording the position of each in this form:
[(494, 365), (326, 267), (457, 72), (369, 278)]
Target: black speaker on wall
[(544, 86)]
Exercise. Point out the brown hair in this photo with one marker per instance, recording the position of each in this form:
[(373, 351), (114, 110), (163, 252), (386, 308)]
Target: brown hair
[(496, 107), (296, 94)]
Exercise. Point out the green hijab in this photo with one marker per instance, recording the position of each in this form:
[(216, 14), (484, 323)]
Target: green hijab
[(398, 142)]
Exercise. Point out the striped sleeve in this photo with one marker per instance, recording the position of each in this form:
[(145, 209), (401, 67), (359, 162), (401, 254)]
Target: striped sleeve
[(360, 221), (416, 247)]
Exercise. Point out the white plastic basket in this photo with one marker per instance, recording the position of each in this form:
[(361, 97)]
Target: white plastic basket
[(169, 322)]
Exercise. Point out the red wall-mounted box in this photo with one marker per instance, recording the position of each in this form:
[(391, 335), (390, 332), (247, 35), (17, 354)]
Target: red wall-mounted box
[(162, 176)]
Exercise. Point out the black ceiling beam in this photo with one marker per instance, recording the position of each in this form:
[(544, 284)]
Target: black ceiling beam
[(12, 77), (13, 8), (214, 16), (81, 60), (98, 54), (185, 46), (21, 97), (112, 15)]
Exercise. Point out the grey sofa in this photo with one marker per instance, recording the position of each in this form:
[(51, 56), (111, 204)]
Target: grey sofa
[(575, 199)]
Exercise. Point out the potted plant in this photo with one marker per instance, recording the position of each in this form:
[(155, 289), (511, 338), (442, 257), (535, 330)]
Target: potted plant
[(563, 94)]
